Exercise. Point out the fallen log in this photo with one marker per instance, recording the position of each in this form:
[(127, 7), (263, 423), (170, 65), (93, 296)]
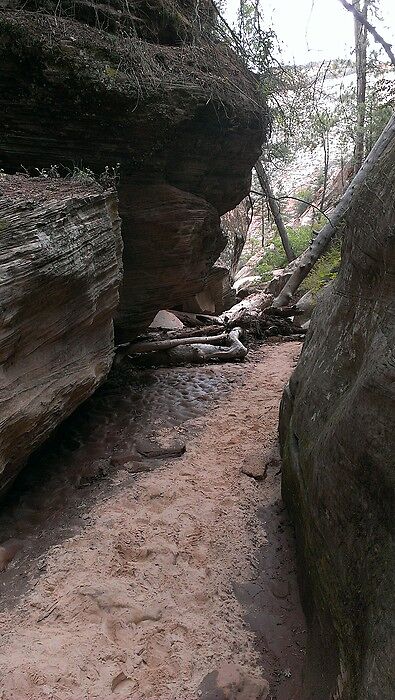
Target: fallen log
[(183, 333), (166, 344), (195, 353), (254, 304)]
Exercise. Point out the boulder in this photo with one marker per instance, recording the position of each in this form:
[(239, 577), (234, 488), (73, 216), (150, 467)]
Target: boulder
[(338, 445), (165, 320), (148, 86), (60, 268)]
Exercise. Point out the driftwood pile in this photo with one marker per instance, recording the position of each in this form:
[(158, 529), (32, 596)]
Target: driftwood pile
[(208, 338)]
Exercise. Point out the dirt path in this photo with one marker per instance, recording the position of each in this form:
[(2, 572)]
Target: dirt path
[(175, 571)]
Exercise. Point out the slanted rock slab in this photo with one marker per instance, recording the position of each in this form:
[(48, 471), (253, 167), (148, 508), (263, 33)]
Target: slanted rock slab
[(60, 268), (337, 438)]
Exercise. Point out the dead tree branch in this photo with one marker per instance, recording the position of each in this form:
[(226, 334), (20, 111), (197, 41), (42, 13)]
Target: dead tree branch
[(198, 352), (371, 29), (296, 199)]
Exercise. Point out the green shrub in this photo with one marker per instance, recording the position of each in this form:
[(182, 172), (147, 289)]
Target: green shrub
[(325, 270), (300, 239)]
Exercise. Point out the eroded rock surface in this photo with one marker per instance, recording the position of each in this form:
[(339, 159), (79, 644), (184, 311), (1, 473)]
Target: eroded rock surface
[(60, 268), (337, 435), (217, 295), (148, 85), (171, 240)]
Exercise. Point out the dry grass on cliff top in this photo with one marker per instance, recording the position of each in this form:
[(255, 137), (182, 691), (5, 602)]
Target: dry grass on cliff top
[(148, 19), (128, 66), (40, 189)]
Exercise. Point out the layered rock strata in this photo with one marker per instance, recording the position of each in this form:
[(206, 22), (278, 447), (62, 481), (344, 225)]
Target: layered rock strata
[(149, 85), (60, 269)]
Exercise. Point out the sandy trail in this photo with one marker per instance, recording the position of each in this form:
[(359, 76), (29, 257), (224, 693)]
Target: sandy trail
[(174, 572)]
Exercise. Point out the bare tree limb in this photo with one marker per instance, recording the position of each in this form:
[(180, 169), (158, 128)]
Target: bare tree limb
[(297, 199), (230, 30), (373, 31)]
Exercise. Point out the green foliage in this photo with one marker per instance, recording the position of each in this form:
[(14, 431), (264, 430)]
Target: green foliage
[(275, 258), (325, 270), (376, 118), (319, 181), (256, 42)]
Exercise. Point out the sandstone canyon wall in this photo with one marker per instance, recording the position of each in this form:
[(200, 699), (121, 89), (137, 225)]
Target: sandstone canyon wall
[(337, 438), (60, 269), (149, 85)]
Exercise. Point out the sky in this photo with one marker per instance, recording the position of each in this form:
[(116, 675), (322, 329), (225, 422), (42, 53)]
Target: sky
[(314, 30)]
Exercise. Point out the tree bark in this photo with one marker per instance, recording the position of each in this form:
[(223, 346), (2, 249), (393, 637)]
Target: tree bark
[(325, 147), (323, 238), (275, 209), (254, 304), (360, 32)]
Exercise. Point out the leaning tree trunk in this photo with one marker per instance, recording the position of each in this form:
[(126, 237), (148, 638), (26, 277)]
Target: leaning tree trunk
[(360, 64), (323, 238), (275, 209)]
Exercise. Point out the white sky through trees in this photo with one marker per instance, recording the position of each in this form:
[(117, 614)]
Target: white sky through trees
[(314, 30)]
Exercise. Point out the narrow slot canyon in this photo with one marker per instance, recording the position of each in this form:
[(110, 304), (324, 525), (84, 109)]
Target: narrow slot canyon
[(197, 265), (160, 571)]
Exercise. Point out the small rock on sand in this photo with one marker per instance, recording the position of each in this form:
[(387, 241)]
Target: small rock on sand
[(254, 466), (148, 448), (230, 682)]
